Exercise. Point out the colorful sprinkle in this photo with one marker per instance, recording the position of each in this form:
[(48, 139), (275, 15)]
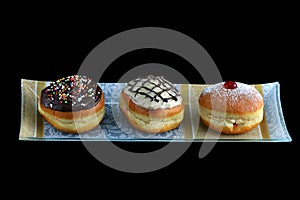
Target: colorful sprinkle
[(73, 90)]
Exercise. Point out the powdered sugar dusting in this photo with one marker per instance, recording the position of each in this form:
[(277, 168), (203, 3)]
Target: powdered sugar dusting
[(244, 96)]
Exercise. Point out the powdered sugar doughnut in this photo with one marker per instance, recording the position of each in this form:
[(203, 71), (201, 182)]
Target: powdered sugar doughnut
[(231, 107)]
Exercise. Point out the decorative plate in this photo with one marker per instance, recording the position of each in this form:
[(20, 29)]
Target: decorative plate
[(114, 126)]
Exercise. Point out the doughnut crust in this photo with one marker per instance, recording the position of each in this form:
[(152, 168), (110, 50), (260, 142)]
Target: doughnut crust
[(231, 111), (150, 121), (74, 122)]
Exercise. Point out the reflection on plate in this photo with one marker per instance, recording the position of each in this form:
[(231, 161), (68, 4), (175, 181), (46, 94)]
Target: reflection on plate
[(114, 126)]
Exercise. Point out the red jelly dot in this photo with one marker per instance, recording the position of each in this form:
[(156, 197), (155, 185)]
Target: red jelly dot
[(230, 85)]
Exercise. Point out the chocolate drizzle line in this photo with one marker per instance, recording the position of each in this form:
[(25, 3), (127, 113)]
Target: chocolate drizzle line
[(72, 93), (163, 85)]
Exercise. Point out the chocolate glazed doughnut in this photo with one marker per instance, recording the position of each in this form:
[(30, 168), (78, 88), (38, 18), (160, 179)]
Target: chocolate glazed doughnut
[(152, 104), (73, 104)]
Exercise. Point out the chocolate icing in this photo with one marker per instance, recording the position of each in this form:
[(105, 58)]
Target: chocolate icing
[(72, 93)]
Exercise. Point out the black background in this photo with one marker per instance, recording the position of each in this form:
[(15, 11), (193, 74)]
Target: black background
[(245, 48)]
